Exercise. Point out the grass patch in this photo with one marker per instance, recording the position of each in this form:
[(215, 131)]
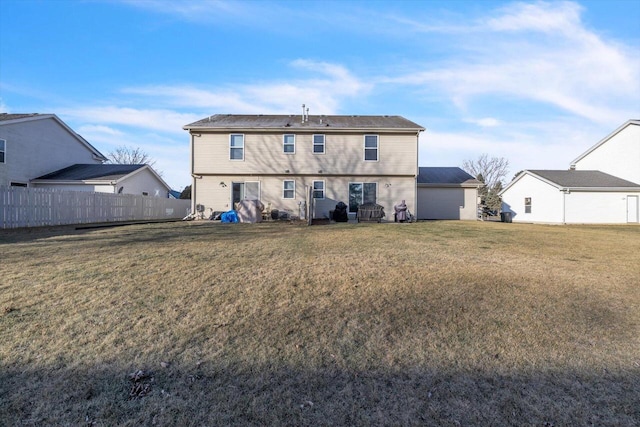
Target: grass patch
[(434, 323)]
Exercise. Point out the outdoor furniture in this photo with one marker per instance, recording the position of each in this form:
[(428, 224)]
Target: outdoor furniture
[(370, 212)]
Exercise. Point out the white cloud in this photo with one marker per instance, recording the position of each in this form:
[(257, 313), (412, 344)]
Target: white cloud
[(540, 52), (487, 122), (160, 120), (324, 90)]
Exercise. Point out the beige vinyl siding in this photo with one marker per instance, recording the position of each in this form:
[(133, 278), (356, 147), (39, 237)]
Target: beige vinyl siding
[(344, 153), (391, 190)]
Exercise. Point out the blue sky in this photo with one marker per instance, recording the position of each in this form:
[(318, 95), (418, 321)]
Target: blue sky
[(535, 82)]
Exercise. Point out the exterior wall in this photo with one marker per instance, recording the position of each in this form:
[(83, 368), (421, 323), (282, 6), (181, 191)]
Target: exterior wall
[(143, 181), (619, 156), (78, 187), (344, 153), (596, 207), (38, 147), (447, 203), (214, 192), (546, 201)]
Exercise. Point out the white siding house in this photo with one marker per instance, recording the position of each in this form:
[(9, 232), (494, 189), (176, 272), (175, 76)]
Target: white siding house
[(447, 193), (32, 145), (618, 154), (571, 197)]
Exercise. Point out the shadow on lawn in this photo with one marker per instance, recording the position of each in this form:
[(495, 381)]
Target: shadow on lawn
[(212, 395)]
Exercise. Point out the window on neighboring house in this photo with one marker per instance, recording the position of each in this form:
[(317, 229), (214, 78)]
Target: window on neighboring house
[(289, 143), (371, 148), (288, 189), (318, 189), (318, 144), (236, 147), (527, 205), (3, 150), (145, 193), (361, 192), (18, 184)]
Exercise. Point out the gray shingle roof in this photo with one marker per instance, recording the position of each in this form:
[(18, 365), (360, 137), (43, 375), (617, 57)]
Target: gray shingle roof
[(261, 121), (101, 172), (7, 116), (444, 175), (583, 179)]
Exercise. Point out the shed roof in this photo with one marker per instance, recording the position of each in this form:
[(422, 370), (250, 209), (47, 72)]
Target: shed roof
[(98, 172), (314, 122), (583, 179), (445, 176)]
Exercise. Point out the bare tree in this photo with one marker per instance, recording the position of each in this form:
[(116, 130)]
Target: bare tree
[(491, 172), (130, 156)]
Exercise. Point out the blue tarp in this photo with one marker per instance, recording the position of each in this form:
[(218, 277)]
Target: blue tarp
[(229, 216)]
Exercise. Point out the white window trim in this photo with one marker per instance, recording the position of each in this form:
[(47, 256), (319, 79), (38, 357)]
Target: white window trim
[(324, 189), (365, 148), (361, 183), (324, 143), (231, 135), (284, 143), (284, 189), (4, 150)]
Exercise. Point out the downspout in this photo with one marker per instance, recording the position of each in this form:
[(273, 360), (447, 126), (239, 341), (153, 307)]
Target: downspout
[(564, 202), (415, 179), (193, 177)]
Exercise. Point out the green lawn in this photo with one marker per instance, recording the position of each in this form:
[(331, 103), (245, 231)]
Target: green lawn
[(434, 323)]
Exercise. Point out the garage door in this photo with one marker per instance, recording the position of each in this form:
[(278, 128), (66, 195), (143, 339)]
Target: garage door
[(440, 203)]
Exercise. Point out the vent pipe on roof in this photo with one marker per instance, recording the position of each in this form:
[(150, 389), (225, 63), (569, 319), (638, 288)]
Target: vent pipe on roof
[(303, 113), (307, 114)]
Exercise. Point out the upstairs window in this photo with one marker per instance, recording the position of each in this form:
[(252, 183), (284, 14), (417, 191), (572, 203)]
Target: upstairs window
[(288, 189), (318, 189), (236, 147), (289, 144), (318, 144), (3, 149), (527, 205), (371, 148)]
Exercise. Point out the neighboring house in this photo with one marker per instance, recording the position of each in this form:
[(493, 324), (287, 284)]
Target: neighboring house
[(602, 186), (281, 159), (106, 178), (32, 145), (571, 196), (447, 193), (618, 154)]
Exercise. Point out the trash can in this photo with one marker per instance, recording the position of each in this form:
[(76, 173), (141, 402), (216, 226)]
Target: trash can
[(505, 216)]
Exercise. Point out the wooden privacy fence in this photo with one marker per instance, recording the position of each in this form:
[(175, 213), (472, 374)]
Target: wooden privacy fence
[(34, 207)]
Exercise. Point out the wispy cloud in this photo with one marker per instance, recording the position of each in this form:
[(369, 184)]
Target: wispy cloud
[(541, 52), (324, 88)]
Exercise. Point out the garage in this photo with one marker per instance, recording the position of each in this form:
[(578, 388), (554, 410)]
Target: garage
[(447, 193)]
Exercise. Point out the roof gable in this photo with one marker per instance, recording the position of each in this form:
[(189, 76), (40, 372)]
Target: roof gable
[(604, 140), (8, 119), (576, 180), (293, 122)]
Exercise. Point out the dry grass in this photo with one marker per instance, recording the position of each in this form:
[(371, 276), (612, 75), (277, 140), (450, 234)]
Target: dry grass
[(437, 323)]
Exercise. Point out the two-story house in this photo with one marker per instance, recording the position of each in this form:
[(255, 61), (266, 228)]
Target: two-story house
[(40, 150), (32, 145), (281, 159)]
